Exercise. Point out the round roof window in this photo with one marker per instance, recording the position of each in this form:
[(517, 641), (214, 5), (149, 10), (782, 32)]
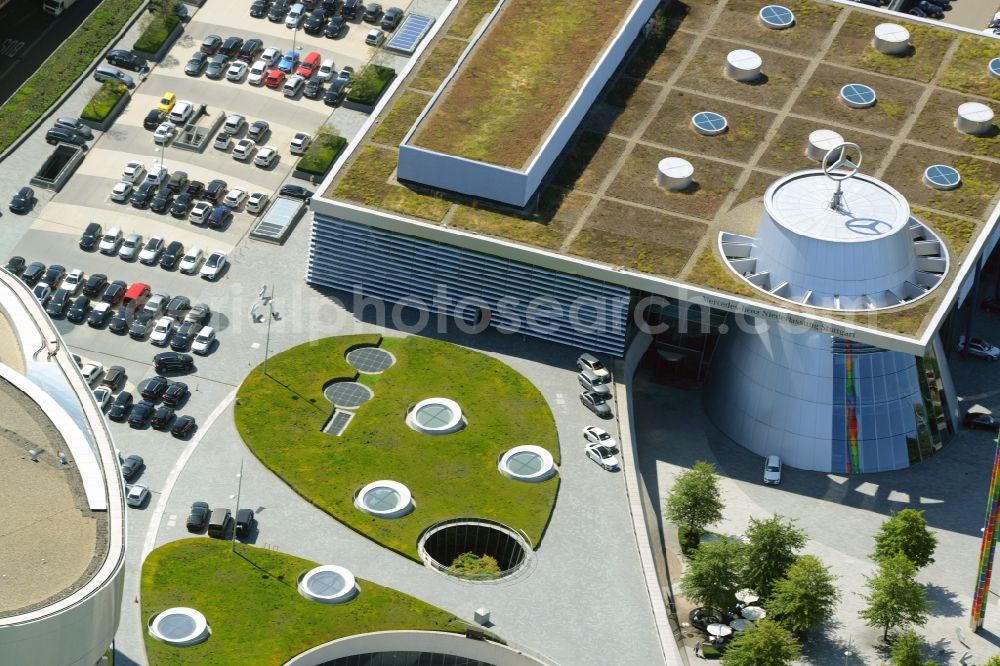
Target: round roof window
[(179, 627), (386, 499), (328, 584), (527, 463), (776, 17), (858, 95), (436, 416), (709, 123)]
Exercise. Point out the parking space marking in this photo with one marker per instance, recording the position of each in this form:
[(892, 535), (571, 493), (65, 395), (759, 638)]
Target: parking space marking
[(175, 472)]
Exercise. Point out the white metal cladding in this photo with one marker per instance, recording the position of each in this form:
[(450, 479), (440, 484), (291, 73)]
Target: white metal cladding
[(443, 279)]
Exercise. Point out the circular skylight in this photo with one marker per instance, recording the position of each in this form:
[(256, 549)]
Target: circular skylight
[(370, 360), (348, 394), (942, 177), (858, 95), (776, 17), (709, 123), (328, 584), (436, 416), (386, 499), (179, 627), (994, 67), (527, 463)]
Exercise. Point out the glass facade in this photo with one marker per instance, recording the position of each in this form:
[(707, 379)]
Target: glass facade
[(405, 659)]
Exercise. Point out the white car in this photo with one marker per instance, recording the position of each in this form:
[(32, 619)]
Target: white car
[(235, 197), (136, 495), (234, 123), (258, 71), (214, 265), (191, 261), (596, 435), (121, 191), (91, 371), (73, 281), (164, 133), (133, 172), (266, 157), (181, 113), (203, 341), (271, 55), (236, 71), (162, 331), (150, 253), (588, 361), (375, 37), (222, 141), (325, 72), (102, 395), (244, 150), (158, 175), (199, 214), (772, 470), (300, 142), (979, 347), (110, 241), (603, 456), (256, 202)]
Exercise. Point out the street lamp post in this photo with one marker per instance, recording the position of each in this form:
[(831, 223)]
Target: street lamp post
[(239, 489), (270, 316)]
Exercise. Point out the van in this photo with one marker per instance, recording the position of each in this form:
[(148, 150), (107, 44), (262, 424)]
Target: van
[(136, 296), (293, 86), (218, 523), (108, 73)]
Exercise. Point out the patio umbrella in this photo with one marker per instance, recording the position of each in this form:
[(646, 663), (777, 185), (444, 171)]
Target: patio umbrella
[(754, 613), (746, 596), (740, 624), (718, 629)]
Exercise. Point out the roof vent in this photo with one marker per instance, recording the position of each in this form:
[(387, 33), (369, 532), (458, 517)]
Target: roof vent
[(821, 142), (776, 17), (891, 39), (994, 68), (674, 174), (709, 123), (974, 118), (743, 65), (858, 96), (942, 177)]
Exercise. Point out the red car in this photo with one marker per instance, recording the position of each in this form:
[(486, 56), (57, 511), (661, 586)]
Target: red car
[(308, 66), (274, 79)]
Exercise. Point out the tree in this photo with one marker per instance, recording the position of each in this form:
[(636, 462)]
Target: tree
[(713, 574), (805, 597), (895, 599), (906, 532), (771, 546), (694, 502), (906, 651), (765, 643), (994, 661)]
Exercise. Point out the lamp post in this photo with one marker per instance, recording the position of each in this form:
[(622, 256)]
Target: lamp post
[(269, 301), (239, 489)]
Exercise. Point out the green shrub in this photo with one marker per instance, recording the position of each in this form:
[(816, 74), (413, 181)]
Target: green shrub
[(156, 33), (369, 84), (62, 68), (322, 152), (100, 105), (470, 565)]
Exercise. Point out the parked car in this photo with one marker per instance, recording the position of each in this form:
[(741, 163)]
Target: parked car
[(196, 64), (596, 403), (142, 195), (136, 495), (772, 470), (210, 45), (590, 381), (981, 421), (62, 135), (391, 19), (200, 212), (222, 141), (313, 89), (271, 55), (162, 201), (258, 130), (588, 361), (278, 11), (162, 331), (164, 134), (175, 394), (54, 275), (95, 285), (42, 293), (350, 9), (191, 261), (78, 310), (256, 202), (76, 125), (111, 242), (102, 396), (595, 435), (132, 244), (375, 37), (167, 102), (244, 150), (295, 192), (309, 65), (183, 426), (154, 119), (235, 197), (217, 66), (58, 304), (373, 12), (23, 200), (294, 16), (91, 372), (214, 266), (172, 362), (140, 414), (335, 94), (315, 21), (257, 72), (244, 523), (335, 28), (99, 315), (237, 71), (114, 292), (979, 347), (114, 377), (91, 236), (177, 182), (15, 265), (151, 252), (274, 79), (220, 215), (120, 407), (162, 418), (231, 47), (33, 273), (197, 518), (134, 172), (259, 8), (127, 60), (178, 307), (203, 342), (157, 304), (288, 62), (603, 456), (73, 281), (172, 254), (220, 521), (132, 466), (108, 73), (199, 314), (141, 326), (120, 322), (251, 50)]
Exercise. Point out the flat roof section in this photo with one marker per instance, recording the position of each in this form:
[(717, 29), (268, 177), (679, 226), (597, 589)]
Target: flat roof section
[(50, 542)]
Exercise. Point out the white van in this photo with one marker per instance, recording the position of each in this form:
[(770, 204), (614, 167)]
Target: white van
[(325, 71), (295, 16)]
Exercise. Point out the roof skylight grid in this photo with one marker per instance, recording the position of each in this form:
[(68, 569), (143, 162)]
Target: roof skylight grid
[(777, 17), (409, 34)]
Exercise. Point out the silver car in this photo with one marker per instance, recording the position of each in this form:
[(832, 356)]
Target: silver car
[(131, 247), (591, 381), (772, 470)]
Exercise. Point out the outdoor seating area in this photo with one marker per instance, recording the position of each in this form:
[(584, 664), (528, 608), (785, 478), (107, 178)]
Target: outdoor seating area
[(721, 627)]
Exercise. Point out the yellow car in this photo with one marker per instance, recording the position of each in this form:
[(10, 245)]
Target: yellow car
[(167, 102)]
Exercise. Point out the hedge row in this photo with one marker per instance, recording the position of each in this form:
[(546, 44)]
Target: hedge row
[(320, 155), (63, 67), (367, 86), (105, 99), (160, 27)]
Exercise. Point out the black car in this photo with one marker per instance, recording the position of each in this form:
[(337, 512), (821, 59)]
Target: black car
[(25, 197), (15, 266), (199, 314), (373, 12), (119, 324), (142, 195), (231, 47), (210, 45), (162, 201), (313, 90), (182, 205), (162, 418), (127, 60), (176, 182), (259, 8), (313, 25), (33, 273), (54, 275), (196, 65), (181, 340), (183, 426), (244, 523), (141, 326), (220, 216), (91, 236), (132, 466), (331, 6), (278, 10), (63, 135), (197, 520), (251, 50), (172, 362), (153, 119), (217, 66), (335, 27), (350, 9), (391, 19), (99, 316), (175, 394), (141, 413), (114, 377), (114, 292), (215, 190), (258, 130), (78, 311), (58, 303), (173, 253), (178, 307), (120, 406), (95, 285), (194, 188), (295, 192), (336, 92)]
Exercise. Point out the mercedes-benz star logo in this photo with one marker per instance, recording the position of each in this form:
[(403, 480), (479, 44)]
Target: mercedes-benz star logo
[(838, 163)]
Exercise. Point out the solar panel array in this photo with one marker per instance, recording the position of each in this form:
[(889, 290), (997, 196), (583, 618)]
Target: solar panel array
[(776, 16), (370, 360), (338, 422), (409, 33), (348, 394)]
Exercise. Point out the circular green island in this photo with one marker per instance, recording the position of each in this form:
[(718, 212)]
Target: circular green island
[(287, 419)]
